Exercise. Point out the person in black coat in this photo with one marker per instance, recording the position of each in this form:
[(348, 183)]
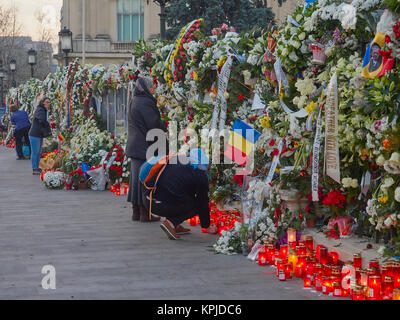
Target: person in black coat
[(182, 193), (143, 117), (40, 129), (20, 120)]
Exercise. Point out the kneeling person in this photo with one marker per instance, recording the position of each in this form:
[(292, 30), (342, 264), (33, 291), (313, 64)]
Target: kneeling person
[(182, 193)]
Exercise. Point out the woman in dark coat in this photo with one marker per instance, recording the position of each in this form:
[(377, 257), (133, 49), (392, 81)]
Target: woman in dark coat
[(40, 129), (143, 117)]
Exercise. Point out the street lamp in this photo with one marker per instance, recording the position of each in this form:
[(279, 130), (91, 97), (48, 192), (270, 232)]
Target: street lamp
[(66, 42), (13, 68), (2, 76), (32, 59)]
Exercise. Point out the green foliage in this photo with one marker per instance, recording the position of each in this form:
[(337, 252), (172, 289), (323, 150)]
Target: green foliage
[(215, 13)]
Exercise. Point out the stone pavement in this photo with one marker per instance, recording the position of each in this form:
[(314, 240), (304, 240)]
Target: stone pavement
[(99, 253)]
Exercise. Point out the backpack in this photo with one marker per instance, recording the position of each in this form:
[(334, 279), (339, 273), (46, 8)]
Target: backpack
[(151, 171)]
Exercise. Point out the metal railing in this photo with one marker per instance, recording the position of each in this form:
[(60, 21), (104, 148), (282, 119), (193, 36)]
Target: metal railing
[(122, 47)]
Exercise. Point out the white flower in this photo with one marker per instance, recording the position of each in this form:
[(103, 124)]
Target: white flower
[(380, 161), (387, 184), (354, 183), (302, 36), (397, 194)]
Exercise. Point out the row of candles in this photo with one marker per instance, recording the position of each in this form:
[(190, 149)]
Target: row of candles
[(322, 270), (223, 220), (119, 189)]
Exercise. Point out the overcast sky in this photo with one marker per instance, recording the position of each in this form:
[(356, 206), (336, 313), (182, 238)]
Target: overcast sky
[(26, 13)]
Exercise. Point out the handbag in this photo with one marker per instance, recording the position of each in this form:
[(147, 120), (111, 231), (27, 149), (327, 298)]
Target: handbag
[(26, 151)]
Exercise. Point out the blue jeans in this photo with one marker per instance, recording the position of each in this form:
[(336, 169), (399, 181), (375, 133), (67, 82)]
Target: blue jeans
[(36, 150)]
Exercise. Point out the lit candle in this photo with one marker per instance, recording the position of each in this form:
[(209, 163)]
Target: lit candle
[(291, 235), (388, 288), (262, 258), (280, 266), (292, 245), (374, 287), (326, 285), (396, 275), (334, 257), (300, 266), (126, 190), (112, 189), (270, 254), (276, 257), (284, 251), (288, 270), (292, 258), (363, 278), (357, 261), (345, 292), (118, 192), (337, 289), (301, 249), (358, 295), (322, 254), (307, 282), (396, 294)]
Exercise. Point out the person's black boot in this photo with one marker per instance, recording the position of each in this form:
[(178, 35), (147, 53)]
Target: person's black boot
[(135, 212), (144, 216)]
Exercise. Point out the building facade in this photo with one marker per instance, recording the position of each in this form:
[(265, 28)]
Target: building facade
[(111, 28), (282, 8)]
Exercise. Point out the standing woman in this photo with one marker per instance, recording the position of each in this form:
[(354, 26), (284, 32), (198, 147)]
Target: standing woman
[(20, 120), (40, 129), (143, 117)]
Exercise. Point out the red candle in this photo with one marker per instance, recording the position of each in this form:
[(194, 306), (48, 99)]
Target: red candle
[(270, 254), (118, 192), (262, 258), (318, 281), (126, 189), (337, 289), (307, 282), (374, 264), (292, 245), (300, 266), (112, 189), (396, 275), (310, 242), (301, 250), (288, 270), (310, 270), (388, 288), (374, 287), (282, 275), (345, 292), (284, 251), (357, 261), (358, 295), (193, 222), (325, 285), (322, 254), (280, 266), (276, 256), (334, 257)]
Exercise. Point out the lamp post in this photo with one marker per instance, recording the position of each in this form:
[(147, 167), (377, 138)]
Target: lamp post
[(66, 42), (163, 16), (2, 76), (13, 68), (32, 59)]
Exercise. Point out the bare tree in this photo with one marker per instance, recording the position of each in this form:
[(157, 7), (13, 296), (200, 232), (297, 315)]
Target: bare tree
[(46, 30)]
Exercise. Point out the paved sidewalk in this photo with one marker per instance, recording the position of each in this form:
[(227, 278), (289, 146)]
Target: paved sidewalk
[(99, 253)]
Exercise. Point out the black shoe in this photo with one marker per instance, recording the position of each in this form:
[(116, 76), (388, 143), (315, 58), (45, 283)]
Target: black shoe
[(20, 158), (135, 213), (146, 217)]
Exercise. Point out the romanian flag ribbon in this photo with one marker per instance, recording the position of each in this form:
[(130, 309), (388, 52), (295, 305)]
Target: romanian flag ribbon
[(241, 142), (376, 65)]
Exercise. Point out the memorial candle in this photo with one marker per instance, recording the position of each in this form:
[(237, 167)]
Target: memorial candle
[(337, 289), (300, 266), (262, 258), (358, 295), (288, 270), (388, 288), (396, 275), (291, 235), (193, 221), (374, 264), (396, 294), (357, 261), (307, 282), (374, 287), (279, 266), (318, 281), (293, 258), (334, 257), (126, 190), (284, 251), (282, 275), (310, 242)]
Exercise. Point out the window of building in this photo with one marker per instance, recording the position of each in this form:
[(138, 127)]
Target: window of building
[(130, 20)]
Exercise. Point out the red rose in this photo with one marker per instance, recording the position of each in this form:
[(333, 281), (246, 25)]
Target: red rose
[(275, 152), (240, 97), (272, 142)]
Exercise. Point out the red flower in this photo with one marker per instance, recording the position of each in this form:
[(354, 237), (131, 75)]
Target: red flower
[(387, 39), (275, 152), (308, 209), (272, 143), (334, 197), (240, 97)]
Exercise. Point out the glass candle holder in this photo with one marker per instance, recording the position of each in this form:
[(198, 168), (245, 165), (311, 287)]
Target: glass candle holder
[(279, 265), (288, 270), (357, 261), (396, 294), (337, 289), (358, 295), (262, 258), (293, 258), (282, 275), (284, 249), (309, 242), (374, 264), (388, 287), (334, 257), (318, 281), (307, 282), (291, 235), (374, 287)]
